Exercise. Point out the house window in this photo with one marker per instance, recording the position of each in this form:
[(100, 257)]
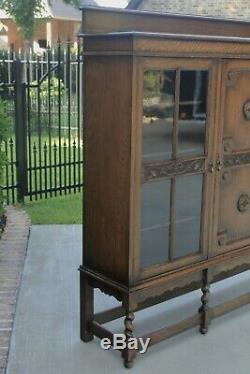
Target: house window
[(42, 43)]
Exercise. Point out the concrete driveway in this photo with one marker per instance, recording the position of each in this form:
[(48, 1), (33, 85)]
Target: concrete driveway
[(46, 330)]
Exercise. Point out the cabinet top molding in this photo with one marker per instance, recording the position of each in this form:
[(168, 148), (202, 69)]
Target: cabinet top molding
[(209, 38), (143, 44), (105, 20)]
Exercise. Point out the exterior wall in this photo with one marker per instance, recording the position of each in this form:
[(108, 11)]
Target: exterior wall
[(65, 30), (41, 31), (216, 8), (61, 28), (14, 37)]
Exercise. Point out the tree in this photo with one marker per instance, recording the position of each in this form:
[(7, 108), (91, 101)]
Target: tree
[(23, 13)]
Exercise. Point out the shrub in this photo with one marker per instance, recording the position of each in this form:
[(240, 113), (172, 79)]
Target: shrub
[(4, 131), (45, 88), (47, 92)]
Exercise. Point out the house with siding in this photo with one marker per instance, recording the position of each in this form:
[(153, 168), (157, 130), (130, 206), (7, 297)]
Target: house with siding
[(233, 9), (56, 20)]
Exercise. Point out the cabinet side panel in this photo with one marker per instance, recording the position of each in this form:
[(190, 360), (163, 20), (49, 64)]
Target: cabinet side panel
[(108, 90)]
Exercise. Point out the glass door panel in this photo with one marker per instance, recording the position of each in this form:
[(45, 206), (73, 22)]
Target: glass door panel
[(188, 214), (158, 110), (155, 222), (173, 164), (192, 113)]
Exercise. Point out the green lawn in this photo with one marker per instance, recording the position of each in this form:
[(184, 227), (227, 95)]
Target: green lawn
[(57, 210)]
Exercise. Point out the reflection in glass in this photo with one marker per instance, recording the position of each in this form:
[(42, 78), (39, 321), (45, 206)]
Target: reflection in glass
[(188, 214), (155, 217), (158, 113), (192, 113), (158, 136)]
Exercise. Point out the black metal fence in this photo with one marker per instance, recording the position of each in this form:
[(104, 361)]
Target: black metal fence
[(44, 99)]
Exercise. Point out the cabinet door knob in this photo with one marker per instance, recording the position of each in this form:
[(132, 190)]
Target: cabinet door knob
[(219, 165), (211, 167)]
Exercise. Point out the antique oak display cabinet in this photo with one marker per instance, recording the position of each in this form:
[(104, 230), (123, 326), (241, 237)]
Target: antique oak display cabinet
[(167, 166)]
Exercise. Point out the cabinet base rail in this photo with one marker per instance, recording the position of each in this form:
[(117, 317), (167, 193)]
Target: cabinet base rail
[(95, 327)]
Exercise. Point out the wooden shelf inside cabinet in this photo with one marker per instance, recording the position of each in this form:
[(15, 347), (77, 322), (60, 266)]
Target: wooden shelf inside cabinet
[(167, 196)]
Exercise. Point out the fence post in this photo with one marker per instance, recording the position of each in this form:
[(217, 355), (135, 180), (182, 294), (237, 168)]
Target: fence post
[(20, 131)]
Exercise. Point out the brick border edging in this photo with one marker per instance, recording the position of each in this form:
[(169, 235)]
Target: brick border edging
[(13, 247)]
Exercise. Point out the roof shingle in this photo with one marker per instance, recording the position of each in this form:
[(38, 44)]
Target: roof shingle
[(233, 9)]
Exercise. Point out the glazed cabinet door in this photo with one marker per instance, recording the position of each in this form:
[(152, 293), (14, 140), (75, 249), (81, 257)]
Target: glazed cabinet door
[(175, 161), (232, 205)]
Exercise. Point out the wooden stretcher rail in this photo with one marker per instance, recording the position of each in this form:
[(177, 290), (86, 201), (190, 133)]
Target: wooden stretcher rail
[(100, 331), (109, 315), (168, 331)]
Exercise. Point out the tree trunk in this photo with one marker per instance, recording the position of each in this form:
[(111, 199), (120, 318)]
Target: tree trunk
[(28, 45)]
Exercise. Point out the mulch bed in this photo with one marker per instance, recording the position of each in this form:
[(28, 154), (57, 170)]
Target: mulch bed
[(13, 247)]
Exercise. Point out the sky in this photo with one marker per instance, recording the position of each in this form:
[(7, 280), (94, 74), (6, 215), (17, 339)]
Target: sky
[(113, 3)]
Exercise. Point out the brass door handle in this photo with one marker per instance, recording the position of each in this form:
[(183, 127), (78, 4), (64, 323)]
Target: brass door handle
[(211, 167), (219, 165)]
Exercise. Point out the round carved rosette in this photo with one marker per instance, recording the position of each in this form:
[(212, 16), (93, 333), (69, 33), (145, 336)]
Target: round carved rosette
[(243, 203), (246, 110)]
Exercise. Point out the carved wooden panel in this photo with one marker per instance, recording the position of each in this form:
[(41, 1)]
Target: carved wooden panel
[(159, 170), (234, 206), (234, 212), (233, 76), (237, 159), (237, 107)]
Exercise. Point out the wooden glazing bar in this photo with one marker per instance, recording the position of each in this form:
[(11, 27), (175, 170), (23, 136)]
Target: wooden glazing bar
[(174, 155), (176, 112), (167, 169), (172, 219)]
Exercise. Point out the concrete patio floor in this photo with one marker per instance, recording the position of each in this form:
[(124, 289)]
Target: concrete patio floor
[(46, 340)]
